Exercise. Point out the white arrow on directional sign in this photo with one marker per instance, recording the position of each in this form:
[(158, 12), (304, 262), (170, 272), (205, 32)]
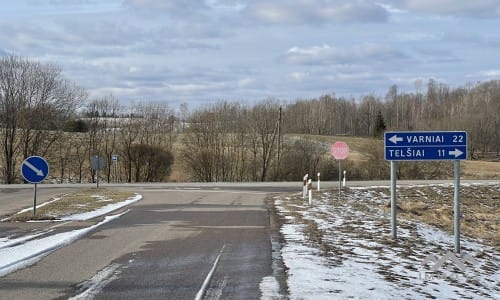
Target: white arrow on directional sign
[(455, 152), (395, 139), (37, 171)]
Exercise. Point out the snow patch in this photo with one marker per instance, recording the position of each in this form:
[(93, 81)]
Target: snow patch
[(23, 255), (341, 249), (94, 285), (269, 288), (101, 211)]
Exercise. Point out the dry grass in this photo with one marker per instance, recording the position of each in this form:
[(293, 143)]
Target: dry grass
[(352, 231), (475, 169), (81, 201), (359, 146), (480, 209)]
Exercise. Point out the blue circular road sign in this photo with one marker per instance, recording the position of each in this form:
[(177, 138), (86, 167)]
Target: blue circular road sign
[(35, 169)]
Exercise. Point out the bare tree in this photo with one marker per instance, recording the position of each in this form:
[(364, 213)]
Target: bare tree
[(265, 118), (147, 123), (35, 104)]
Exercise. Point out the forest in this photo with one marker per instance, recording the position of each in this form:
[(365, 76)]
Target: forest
[(43, 113)]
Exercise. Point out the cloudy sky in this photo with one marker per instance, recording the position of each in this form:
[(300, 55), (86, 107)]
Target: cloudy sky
[(249, 50)]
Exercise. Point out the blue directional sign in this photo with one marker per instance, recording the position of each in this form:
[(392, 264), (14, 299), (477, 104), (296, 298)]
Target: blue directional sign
[(425, 145), (35, 169)]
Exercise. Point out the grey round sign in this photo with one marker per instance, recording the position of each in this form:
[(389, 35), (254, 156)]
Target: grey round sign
[(97, 163)]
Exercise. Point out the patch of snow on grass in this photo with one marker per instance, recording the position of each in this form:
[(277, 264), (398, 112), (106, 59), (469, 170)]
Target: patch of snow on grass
[(340, 249), (101, 211)]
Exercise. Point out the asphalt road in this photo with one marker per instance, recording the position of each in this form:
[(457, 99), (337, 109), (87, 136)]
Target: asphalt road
[(178, 239), (163, 248)]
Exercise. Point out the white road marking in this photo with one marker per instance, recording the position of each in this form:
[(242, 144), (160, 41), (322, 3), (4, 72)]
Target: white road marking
[(95, 284), (230, 227), (204, 286)]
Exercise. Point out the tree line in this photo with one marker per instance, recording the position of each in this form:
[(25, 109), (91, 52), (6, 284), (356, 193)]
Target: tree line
[(474, 108), (43, 113)]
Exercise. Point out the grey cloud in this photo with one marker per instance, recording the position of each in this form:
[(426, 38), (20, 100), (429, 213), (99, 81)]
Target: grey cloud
[(468, 8), (192, 30), (316, 11), (437, 56), (100, 37), (472, 38), (119, 31), (321, 55), (280, 11), (125, 77), (178, 8)]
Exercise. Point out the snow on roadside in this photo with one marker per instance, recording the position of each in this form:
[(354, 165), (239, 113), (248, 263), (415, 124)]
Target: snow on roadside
[(26, 254), (341, 249), (7, 242), (101, 211), (23, 251)]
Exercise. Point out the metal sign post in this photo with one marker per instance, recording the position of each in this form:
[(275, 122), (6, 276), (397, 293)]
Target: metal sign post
[(34, 200), (456, 205), (97, 163), (34, 170), (425, 146), (340, 176), (114, 158), (394, 224)]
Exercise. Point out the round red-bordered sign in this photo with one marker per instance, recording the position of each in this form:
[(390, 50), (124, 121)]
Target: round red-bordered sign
[(340, 150)]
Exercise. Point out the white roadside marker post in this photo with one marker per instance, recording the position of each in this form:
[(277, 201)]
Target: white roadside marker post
[(343, 182), (319, 175), (309, 188), (304, 187)]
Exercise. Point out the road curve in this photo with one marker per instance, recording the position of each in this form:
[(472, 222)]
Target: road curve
[(163, 248)]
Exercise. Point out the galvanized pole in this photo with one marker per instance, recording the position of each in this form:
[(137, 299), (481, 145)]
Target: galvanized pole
[(456, 227), (393, 200), (340, 176), (97, 178), (34, 200)]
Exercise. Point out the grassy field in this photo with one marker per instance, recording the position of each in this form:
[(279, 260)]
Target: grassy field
[(475, 169), (433, 205), (360, 146), (345, 243)]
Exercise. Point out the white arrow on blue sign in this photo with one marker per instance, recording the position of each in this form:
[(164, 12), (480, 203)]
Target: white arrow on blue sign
[(35, 169), (425, 145)]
